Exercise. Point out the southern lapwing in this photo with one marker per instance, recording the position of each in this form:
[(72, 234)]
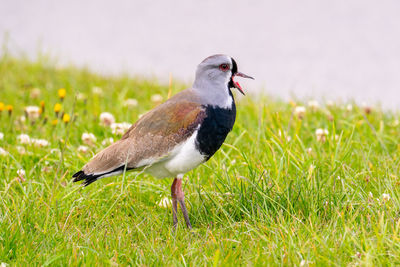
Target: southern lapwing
[(178, 135)]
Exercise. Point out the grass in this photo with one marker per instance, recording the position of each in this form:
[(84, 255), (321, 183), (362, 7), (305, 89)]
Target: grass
[(275, 194)]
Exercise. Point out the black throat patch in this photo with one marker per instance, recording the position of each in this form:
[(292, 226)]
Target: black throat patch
[(214, 129), (234, 70)]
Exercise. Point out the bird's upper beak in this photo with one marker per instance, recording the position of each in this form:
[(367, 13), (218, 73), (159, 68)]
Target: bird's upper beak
[(236, 84)]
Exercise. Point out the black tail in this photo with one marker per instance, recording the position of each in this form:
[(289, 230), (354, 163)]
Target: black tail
[(88, 179)]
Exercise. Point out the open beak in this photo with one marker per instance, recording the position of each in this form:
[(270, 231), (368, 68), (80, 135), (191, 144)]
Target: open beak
[(236, 84)]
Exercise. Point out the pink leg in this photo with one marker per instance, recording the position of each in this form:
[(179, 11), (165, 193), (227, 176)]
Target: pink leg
[(178, 196)]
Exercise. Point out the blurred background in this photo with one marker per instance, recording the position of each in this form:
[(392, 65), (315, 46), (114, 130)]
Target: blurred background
[(312, 49)]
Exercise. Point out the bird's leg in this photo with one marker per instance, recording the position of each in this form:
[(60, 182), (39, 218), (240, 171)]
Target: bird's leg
[(178, 196), (174, 209)]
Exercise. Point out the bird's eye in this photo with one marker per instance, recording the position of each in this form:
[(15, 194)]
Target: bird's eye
[(224, 67)]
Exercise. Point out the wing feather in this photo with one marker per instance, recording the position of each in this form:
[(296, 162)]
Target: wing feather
[(150, 139)]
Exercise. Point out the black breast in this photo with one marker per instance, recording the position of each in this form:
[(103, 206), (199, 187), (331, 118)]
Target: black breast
[(214, 129)]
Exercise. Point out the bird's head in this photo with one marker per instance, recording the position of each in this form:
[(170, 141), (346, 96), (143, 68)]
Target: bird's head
[(218, 71)]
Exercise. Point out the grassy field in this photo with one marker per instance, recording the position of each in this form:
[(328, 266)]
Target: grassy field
[(309, 186)]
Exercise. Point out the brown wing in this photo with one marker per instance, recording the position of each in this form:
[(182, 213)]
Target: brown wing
[(151, 138)]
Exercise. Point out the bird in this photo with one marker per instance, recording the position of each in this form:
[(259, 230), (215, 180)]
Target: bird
[(177, 135)]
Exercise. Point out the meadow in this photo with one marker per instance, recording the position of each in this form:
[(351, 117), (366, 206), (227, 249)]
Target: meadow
[(296, 183)]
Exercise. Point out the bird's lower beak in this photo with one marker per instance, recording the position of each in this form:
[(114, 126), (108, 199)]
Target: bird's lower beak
[(236, 84)]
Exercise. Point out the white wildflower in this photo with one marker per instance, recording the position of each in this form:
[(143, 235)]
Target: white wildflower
[(330, 103), (284, 134), (22, 118), (370, 197), (3, 264), (24, 139), (89, 138), (83, 149), (303, 263), (97, 90), (32, 112), (106, 118), (366, 108), (1, 136), (35, 93), (21, 175), (120, 128), (3, 152), (21, 150), (349, 107), (309, 150), (313, 105), (107, 141), (164, 202), (81, 96), (156, 98), (329, 116), (395, 123), (321, 134), (56, 151), (385, 197), (131, 102), (39, 142), (299, 111), (21, 172), (311, 168)]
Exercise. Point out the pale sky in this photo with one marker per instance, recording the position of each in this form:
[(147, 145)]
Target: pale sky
[(314, 48)]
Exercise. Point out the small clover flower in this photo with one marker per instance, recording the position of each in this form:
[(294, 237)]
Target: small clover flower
[(131, 103), (156, 98), (40, 142), (24, 139), (32, 112), (120, 128), (3, 152), (21, 175), (106, 118), (385, 197), (299, 111), (83, 149), (313, 105), (89, 138), (321, 135), (164, 202), (35, 93)]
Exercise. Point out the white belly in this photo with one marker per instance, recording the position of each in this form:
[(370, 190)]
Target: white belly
[(182, 159)]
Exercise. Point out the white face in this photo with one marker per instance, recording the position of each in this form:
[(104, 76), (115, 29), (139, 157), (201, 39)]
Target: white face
[(216, 70), (212, 80), (215, 76)]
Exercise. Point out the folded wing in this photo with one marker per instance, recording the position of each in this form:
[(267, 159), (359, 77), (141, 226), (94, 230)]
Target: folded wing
[(148, 141)]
